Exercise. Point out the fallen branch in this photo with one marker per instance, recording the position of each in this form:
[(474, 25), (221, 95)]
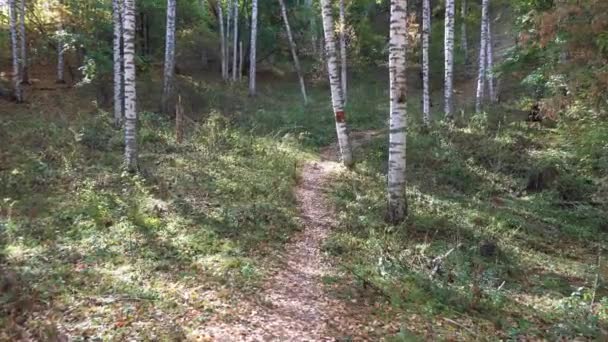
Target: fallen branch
[(438, 261)]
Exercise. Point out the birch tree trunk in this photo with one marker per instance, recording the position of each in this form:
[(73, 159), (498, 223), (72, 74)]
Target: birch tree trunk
[(229, 11), (235, 44), (344, 70), (292, 45), (220, 18), (118, 63), (449, 59), (334, 82), (252, 51), (25, 78), (12, 9), (130, 95), (397, 202), (463, 32), (169, 71), (426, 92), (481, 78), (490, 57)]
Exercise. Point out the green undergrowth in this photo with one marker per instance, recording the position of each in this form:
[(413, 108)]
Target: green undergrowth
[(523, 263), (103, 253)]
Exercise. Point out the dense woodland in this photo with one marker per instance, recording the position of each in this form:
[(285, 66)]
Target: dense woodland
[(303, 170)]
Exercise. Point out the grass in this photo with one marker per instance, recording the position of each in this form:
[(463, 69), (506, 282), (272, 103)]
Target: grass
[(99, 253), (524, 263)]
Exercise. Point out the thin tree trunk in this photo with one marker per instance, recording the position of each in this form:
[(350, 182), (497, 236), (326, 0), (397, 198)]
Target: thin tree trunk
[(130, 95), (253, 48), (490, 57), (449, 59), (220, 18), (334, 81), (463, 32), (426, 32), (229, 11), (481, 78), (169, 72), (292, 45), (397, 202), (12, 8), (235, 44), (118, 63), (179, 120), (240, 60), (25, 78), (60, 48), (313, 28), (344, 70)]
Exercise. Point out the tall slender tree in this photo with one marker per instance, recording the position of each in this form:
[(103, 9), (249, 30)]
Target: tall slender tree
[(463, 31), (12, 13), (334, 82), (235, 44), (426, 33), (25, 78), (118, 64), (169, 71), (481, 78), (130, 95), (61, 47), (344, 67), (294, 54), (253, 47), (397, 202), (490, 57), (449, 59), (229, 11), (220, 20)]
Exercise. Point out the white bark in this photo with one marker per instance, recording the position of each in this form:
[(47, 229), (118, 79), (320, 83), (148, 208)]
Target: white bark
[(481, 78), (490, 58), (12, 9), (449, 59), (169, 72), (426, 32), (463, 32), (294, 54), (130, 95), (25, 79), (334, 81), (397, 202), (220, 18), (117, 49), (235, 43), (252, 52), (344, 68)]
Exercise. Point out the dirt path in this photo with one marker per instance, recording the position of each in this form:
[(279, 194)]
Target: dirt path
[(294, 305)]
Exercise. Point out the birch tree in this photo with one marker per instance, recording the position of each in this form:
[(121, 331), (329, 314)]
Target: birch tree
[(426, 32), (169, 71), (220, 18), (253, 47), (449, 59), (334, 82), (463, 31), (344, 70), (481, 78), (294, 54), (12, 13), (60, 47), (25, 78), (130, 93), (490, 62), (235, 44), (397, 202), (118, 64)]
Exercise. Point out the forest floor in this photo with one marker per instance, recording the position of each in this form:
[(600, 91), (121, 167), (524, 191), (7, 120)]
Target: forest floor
[(250, 226)]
